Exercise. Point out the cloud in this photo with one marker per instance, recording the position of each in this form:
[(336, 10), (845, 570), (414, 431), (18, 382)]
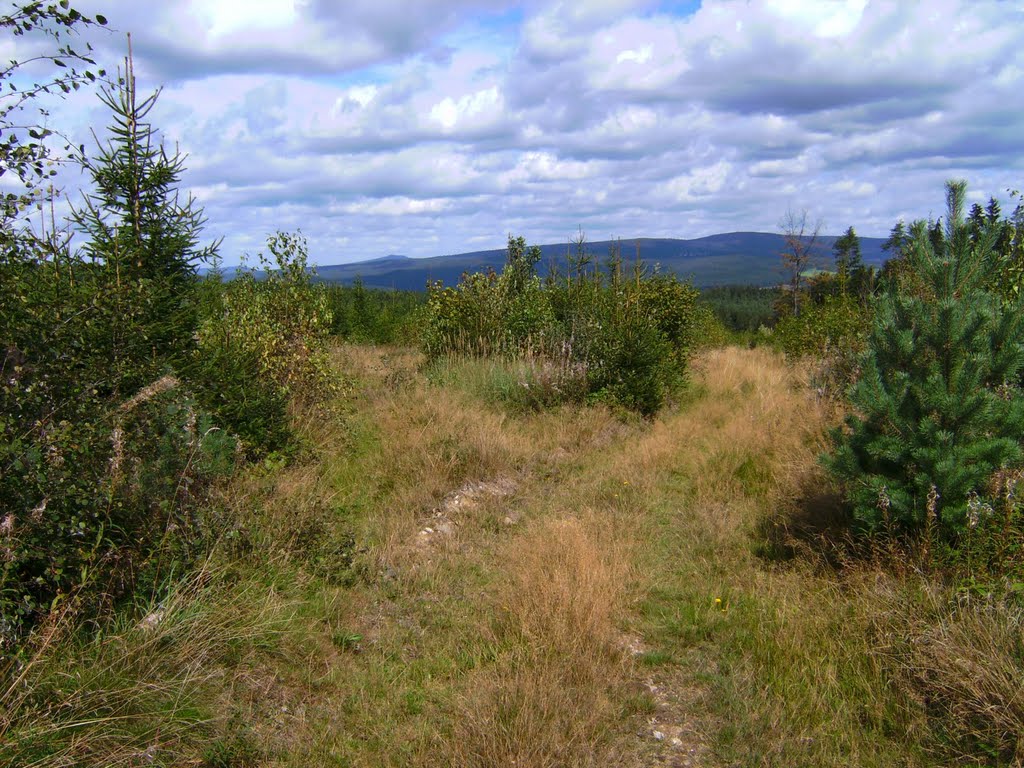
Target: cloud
[(438, 126), (395, 206), (695, 184), (854, 188)]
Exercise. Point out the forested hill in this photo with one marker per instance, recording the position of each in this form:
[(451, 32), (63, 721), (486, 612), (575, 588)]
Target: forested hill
[(749, 258)]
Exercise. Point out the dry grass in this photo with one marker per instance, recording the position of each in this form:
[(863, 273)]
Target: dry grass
[(807, 664), (961, 659), (549, 698), (423, 615), (143, 690), (767, 428), (434, 439), (544, 618), (779, 646), (344, 636)]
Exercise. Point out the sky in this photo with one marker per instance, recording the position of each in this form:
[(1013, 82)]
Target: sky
[(426, 127)]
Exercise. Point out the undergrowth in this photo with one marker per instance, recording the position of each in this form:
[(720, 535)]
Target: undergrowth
[(434, 580)]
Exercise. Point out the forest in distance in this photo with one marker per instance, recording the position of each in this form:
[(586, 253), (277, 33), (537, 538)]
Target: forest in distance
[(739, 258)]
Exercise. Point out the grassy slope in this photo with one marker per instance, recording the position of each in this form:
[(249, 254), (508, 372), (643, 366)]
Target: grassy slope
[(447, 583)]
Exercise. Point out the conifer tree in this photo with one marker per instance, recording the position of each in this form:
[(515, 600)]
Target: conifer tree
[(145, 239), (937, 408), (976, 221), (897, 241), (993, 213), (849, 261), (895, 245), (937, 236)]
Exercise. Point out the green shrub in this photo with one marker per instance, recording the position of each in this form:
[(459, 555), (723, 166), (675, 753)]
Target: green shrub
[(625, 340), (634, 333), (104, 458), (230, 384), (466, 319), (708, 330), (94, 501), (282, 321), (490, 313), (837, 324), (632, 364), (938, 410), (833, 332)]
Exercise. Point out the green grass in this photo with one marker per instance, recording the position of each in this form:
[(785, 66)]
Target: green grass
[(328, 631)]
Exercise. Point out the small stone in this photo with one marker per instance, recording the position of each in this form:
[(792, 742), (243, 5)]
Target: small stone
[(428, 530), (676, 741), (659, 735)]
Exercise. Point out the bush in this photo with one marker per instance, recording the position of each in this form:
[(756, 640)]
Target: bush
[(488, 313), (104, 458), (231, 385), (626, 339), (834, 332), (938, 410), (632, 364), (465, 319), (708, 330), (837, 324), (282, 322), (93, 500)]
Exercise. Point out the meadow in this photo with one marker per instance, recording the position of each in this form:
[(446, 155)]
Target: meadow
[(439, 580)]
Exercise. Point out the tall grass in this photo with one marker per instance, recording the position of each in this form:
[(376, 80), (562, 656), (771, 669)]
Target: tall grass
[(528, 382), (815, 655), (141, 689), (549, 698), (585, 561)]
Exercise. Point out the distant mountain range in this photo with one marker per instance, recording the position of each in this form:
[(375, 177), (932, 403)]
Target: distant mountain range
[(735, 258)]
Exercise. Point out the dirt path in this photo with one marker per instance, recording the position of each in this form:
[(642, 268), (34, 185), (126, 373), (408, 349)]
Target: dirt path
[(537, 588)]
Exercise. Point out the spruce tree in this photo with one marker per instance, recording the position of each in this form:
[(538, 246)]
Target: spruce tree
[(897, 241), (977, 223), (937, 408), (144, 238), (849, 262), (993, 213), (937, 235), (895, 245)]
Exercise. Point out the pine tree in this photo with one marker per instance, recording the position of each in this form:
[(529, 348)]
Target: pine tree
[(937, 408), (895, 245)]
